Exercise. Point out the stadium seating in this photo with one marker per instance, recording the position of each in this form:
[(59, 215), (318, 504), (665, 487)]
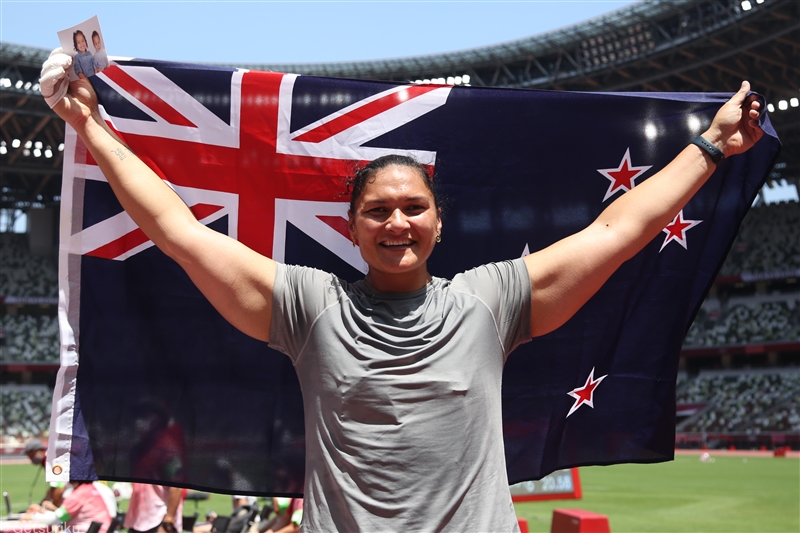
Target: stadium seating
[(768, 241), (25, 411), (29, 339), (755, 319), (23, 274), (786, 417), (743, 401)]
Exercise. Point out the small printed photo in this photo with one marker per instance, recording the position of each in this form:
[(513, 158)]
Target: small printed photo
[(85, 43)]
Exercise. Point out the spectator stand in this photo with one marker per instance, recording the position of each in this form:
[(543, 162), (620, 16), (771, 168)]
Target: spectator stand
[(24, 414)]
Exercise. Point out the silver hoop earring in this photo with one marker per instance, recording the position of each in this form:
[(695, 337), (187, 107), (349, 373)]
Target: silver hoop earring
[(438, 238)]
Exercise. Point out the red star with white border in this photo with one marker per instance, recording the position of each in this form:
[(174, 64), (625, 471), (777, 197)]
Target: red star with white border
[(585, 394), (676, 230), (622, 178)]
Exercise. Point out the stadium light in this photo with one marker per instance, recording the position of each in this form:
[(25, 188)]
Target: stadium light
[(38, 145), (61, 147), (794, 102), (770, 108), (48, 153), (3, 149), (18, 85), (15, 143), (746, 5), (783, 105), (37, 152), (28, 145)]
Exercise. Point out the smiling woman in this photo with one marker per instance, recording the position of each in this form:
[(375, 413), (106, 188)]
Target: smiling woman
[(395, 219)]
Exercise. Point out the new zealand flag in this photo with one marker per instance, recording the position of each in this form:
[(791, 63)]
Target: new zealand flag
[(155, 386)]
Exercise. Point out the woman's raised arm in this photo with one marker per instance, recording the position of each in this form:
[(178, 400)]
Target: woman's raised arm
[(566, 274), (236, 280)]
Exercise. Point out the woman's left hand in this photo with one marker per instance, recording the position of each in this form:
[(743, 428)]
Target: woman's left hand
[(735, 127)]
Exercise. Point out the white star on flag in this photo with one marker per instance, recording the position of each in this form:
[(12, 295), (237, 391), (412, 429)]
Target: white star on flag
[(623, 176), (676, 230), (585, 394)]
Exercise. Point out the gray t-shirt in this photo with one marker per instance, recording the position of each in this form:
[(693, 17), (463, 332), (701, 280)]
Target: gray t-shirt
[(401, 394)]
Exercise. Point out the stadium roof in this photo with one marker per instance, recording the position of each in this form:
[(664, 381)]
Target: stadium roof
[(672, 45)]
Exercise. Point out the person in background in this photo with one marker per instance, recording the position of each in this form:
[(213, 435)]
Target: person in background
[(288, 516), (157, 453), (80, 508), (155, 509), (243, 508), (37, 453), (105, 492)]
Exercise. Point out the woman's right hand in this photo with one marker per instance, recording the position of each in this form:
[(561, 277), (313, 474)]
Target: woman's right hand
[(79, 104)]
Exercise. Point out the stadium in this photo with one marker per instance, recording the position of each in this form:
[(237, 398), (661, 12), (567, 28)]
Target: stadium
[(739, 384)]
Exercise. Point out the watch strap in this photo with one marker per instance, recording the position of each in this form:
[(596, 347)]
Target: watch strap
[(708, 147)]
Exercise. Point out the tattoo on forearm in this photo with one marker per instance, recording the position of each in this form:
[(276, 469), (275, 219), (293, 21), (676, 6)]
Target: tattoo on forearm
[(119, 152)]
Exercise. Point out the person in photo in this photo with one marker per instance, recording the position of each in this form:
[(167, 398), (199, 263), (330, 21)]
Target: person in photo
[(83, 62), (100, 56)]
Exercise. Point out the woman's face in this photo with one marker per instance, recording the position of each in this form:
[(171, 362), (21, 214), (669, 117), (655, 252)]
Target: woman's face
[(81, 42), (395, 224)]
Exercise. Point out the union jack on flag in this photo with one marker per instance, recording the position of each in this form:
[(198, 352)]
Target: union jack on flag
[(155, 386)]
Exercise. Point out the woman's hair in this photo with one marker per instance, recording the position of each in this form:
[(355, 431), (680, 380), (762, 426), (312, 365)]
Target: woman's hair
[(75, 40), (365, 174)]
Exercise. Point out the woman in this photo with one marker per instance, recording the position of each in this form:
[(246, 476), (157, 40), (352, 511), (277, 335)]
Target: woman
[(82, 506), (401, 372)]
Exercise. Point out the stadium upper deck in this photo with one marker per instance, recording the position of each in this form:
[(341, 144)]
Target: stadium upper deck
[(673, 45)]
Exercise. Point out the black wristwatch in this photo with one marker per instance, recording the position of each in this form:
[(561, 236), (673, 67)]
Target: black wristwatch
[(169, 527)]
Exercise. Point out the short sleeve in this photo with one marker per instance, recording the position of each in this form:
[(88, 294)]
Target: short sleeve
[(299, 296), (505, 288), (72, 504)]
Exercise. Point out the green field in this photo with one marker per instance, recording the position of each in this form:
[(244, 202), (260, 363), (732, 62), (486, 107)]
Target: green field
[(731, 494), (17, 480)]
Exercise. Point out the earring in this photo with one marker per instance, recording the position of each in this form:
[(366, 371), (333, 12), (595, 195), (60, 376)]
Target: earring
[(354, 243), (438, 238)]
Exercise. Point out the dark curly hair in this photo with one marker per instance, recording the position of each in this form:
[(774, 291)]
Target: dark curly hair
[(75, 40), (365, 174)]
